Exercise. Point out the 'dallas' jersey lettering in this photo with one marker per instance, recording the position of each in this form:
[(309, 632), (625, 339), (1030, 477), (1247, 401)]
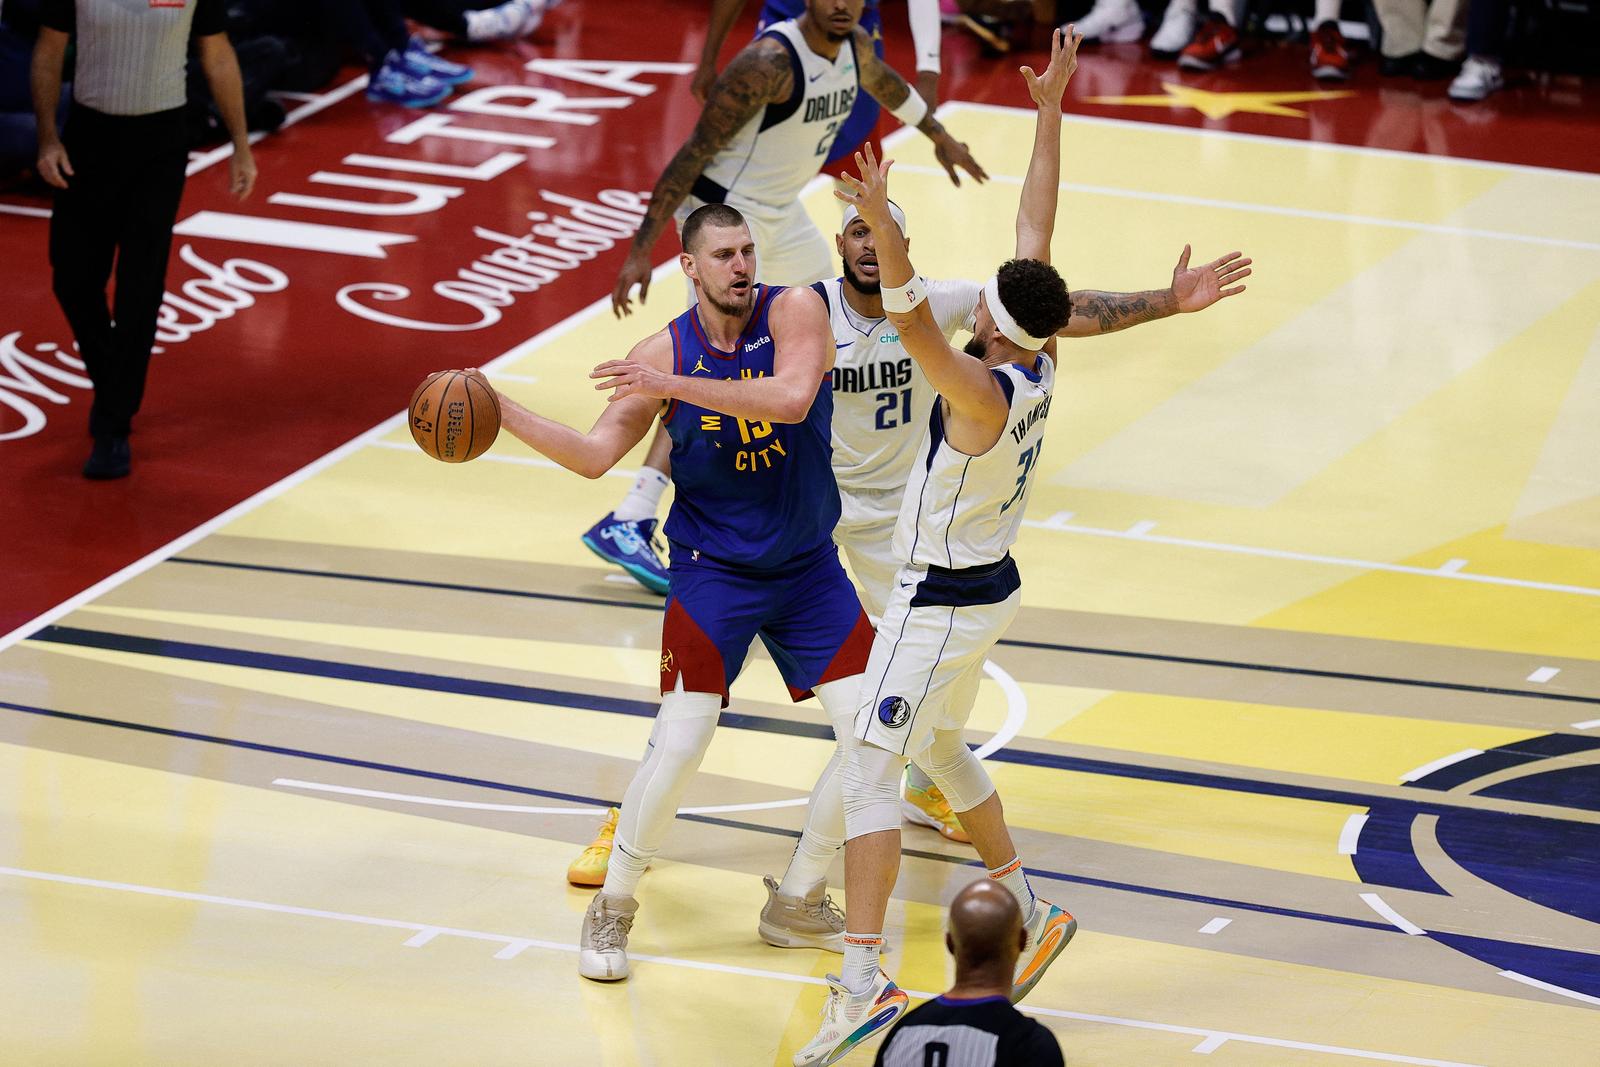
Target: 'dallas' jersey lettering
[(778, 151), (965, 511), (748, 493), (880, 396)]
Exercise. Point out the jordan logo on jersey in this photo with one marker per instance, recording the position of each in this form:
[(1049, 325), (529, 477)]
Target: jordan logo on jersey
[(700, 365)]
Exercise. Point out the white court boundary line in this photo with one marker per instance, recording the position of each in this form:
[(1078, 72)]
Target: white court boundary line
[(1350, 836), (1016, 716), (1440, 764), (1560, 991), (513, 945), (1400, 922), (1058, 522)]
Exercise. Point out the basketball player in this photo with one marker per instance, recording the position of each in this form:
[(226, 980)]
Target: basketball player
[(958, 589), (769, 123), (740, 382), (880, 401)]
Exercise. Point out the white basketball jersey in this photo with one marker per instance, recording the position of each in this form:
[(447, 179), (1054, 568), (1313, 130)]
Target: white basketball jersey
[(778, 151), (881, 398), (964, 511)]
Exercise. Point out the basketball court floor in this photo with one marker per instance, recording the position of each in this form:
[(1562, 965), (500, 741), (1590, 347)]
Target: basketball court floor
[(1301, 717)]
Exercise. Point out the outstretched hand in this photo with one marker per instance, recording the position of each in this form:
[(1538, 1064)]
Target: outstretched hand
[(869, 193), (1047, 89), (1197, 288)]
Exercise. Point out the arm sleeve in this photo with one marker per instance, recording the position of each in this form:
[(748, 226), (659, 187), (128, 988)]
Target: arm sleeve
[(59, 15), (209, 17), (925, 31), (954, 303)]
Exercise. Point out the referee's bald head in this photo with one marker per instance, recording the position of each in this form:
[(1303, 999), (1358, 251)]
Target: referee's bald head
[(985, 929)]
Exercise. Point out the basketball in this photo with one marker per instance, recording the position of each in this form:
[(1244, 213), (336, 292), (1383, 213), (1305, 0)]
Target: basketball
[(455, 415)]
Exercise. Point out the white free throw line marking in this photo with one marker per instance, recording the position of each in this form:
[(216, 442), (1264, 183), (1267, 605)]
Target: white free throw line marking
[(1351, 834), (1060, 524), (1451, 566), (495, 457), (1548, 988), (1016, 716), (513, 944), (24, 209), (521, 379), (1377, 904), (1587, 724), (1293, 212), (1211, 1044), (1139, 529), (1439, 764), (1215, 926), (1544, 674)]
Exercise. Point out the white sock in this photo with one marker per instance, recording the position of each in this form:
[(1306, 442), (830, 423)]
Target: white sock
[(645, 496), (625, 869), (494, 23), (1012, 876), (1326, 11), (861, 953)]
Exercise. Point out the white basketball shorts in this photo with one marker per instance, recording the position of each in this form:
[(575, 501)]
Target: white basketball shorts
[(927, 660), (865, 532)]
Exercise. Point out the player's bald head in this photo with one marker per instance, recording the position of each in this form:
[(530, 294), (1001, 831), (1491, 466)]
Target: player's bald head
[(985, 927)]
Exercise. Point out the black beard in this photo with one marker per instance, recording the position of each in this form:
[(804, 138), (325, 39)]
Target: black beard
[(835, 38), (974, 348), (864, 288)]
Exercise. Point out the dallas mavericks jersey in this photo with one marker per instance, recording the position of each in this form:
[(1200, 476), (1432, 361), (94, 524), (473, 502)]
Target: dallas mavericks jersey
[(964, 511), (777, 152), (749, 494), (880, 396)]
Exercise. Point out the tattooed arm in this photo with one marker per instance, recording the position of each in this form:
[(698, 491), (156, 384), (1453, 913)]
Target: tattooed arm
[(758, 75), (1193, 289), (891, 90)]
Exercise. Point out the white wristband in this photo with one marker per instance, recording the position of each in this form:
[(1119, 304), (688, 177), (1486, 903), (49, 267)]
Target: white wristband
[(912, 110), (903, 298)]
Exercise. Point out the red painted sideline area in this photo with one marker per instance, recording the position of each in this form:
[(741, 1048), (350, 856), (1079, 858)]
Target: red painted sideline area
[(306, 315)]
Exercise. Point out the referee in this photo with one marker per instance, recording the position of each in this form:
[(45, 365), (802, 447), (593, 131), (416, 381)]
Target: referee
[(119, 168), (974, 1025)]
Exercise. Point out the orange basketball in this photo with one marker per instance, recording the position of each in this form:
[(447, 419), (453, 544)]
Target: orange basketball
[(455, 415)]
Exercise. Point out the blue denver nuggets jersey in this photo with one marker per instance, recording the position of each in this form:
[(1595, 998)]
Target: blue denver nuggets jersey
[(749, 494)]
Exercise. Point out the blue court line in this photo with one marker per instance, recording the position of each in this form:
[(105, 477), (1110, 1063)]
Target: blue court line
[(507, 787), (1155, 657), (439, 683)]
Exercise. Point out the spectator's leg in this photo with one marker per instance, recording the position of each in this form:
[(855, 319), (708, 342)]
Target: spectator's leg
[(1402, 26), (154, 176), (447, 15), (1486, 28), (1446, 35), (82, 244), (366, 26)]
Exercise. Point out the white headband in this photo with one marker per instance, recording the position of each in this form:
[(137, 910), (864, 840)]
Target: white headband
[(851, 214), (1003, 320)]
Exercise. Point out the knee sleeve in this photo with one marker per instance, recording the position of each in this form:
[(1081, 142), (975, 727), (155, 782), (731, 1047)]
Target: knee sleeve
[(871, 789), (678, 742), (956, 771)]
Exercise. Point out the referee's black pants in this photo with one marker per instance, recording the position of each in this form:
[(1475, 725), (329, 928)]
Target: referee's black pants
[(120, 204)]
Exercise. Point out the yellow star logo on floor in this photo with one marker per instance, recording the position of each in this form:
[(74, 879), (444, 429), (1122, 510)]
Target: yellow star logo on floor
[(1221, 105)]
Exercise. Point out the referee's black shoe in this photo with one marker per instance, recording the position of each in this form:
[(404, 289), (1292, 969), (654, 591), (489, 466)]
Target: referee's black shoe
[(110, 459)]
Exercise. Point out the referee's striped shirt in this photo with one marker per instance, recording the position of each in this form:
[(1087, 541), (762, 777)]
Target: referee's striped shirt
[(132, 53)]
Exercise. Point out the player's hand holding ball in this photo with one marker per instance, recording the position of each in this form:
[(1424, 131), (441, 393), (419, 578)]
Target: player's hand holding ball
[(455, 415)]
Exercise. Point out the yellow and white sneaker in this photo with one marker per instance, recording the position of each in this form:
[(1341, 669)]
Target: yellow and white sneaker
[(590, 868), (1052, 927), (849, 1020), (928, 807)]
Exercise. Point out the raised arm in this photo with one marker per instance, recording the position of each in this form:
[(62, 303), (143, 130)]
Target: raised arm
[(803, 353), (926, 38), (891, 90), (724, 13), (977, 403), (758, 75), (1193, 289), (1036, 209), (620, 426)]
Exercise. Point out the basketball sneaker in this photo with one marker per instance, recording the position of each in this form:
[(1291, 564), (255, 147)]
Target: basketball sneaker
[(1330, 59), (1178, 25), (811, 921), (590, 868), (928, 807), (849, 1020), (1479, 77), (393, 83), (1052, 927), (631, 546), (424, 64), (603, 945), (1216, 43), (1112, 21)]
